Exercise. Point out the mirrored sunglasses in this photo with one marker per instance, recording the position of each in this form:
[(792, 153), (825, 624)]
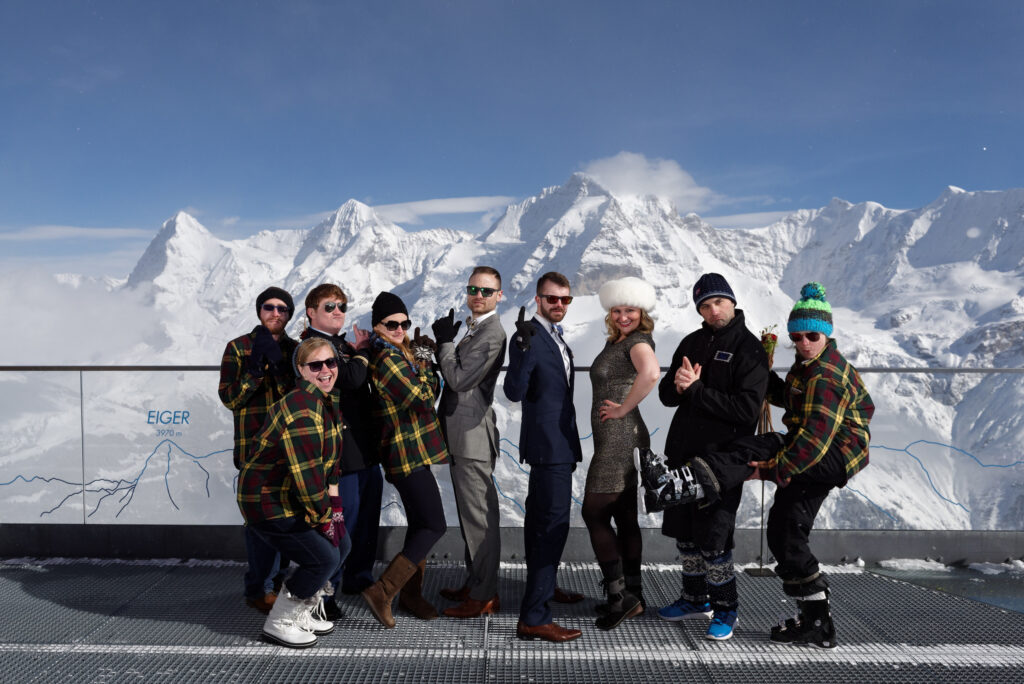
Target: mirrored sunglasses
[(331, 306), (485, 292)]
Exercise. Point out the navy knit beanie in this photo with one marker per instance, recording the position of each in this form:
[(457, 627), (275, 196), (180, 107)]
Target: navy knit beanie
[(275, 293), (387, 304), (711, 285)]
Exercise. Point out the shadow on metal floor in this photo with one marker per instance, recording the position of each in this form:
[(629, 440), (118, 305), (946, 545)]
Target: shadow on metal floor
[(159, 621)]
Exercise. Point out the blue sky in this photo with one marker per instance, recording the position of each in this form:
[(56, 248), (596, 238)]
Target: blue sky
[(254, 115)]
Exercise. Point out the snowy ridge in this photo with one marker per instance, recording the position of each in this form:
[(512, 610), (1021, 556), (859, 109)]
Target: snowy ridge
[(942, 285)]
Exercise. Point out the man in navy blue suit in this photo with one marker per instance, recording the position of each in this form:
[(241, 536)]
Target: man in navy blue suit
[(540, 374)]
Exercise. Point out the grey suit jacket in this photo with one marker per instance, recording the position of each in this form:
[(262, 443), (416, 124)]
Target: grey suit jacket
[(470, 371)]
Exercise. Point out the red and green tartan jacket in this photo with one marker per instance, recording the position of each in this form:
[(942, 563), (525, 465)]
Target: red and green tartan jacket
[(248, 396), (826, 406), (293, 459), (405, 396)]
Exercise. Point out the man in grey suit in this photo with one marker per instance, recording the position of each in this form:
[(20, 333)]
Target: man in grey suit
[(470, 371)]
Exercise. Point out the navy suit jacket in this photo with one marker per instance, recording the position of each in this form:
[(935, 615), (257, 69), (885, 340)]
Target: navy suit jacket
[(536, 377)]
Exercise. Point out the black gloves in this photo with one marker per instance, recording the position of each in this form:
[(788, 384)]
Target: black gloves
[(264, 350), (524, 330), (445, 329)]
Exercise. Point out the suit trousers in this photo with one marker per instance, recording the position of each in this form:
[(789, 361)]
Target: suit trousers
[(476, 497), (545, 531)]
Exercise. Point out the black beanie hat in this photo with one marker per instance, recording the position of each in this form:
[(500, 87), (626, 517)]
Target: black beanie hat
[(711, 285), (387, 304), (275, 293)]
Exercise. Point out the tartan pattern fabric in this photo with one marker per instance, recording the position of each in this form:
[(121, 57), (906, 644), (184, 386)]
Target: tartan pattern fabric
[(826, 406), (249, 397), (405, 395), (293, 459)]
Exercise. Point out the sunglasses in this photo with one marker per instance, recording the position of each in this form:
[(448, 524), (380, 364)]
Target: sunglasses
[(316, 366), (554, 299), (331, 306), (279, 308), (395, 325), (811, 336), (485, 292)]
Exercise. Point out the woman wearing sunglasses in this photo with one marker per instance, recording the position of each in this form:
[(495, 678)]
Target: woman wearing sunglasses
[(282, 493), (406, 387), (826, 443)]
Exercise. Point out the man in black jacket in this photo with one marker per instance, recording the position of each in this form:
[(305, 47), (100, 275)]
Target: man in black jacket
[(718, 379), (361, 484)]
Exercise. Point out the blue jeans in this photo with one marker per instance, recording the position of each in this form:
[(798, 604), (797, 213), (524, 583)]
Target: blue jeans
[(360, 494), (316, 557), (264, 564)]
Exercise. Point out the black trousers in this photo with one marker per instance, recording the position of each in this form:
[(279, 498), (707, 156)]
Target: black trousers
[(791, 519), (423, 511)]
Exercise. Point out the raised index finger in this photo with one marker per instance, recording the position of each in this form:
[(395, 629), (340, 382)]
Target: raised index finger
[(522, 314)]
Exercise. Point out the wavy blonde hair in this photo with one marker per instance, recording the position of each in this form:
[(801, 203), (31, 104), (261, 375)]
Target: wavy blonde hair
[(646, 325)]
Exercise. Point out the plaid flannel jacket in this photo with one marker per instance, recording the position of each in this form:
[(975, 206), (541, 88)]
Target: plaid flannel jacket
[(405, 395), (248, 396), (826, 405), (293, 459)]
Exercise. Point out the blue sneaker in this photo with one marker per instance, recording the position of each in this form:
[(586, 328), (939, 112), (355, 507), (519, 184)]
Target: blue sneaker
[(683, 610), (721, 625)]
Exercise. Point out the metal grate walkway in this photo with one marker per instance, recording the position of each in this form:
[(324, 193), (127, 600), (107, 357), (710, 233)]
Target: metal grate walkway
[(103, 621)]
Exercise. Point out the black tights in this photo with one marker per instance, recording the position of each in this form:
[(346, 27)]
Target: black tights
[(613, 543)]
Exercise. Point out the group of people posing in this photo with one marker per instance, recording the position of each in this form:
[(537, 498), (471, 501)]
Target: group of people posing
[(316, 420)]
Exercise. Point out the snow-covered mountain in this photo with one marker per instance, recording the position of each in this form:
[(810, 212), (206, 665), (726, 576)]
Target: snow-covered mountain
[(940, 286)]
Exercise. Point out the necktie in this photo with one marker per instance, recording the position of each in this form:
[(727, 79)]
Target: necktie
[(557, 328)]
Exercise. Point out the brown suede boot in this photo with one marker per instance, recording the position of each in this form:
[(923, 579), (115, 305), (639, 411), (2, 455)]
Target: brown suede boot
[(411, 596), (380, 594)]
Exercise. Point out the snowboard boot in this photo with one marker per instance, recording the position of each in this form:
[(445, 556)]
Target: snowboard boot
[(284, 624), (380, 594), (812, 625), (411, 596)]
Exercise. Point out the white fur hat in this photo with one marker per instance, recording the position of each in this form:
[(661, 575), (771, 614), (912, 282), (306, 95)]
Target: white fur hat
[(628, 291)]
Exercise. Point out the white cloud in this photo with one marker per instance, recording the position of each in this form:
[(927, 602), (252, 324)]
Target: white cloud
[(629, 173), (51, 232), (75, 324), (413, 212)]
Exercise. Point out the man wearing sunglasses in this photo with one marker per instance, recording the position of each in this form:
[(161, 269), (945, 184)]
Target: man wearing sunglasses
[(540, 375), (470, 370), (359, 490), (717, 380), (255, 372)]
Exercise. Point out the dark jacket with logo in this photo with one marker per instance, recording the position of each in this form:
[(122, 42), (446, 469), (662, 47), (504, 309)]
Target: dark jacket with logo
[(725, 402)]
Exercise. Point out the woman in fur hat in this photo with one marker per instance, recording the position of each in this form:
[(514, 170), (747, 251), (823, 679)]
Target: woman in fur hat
[(623, 374)]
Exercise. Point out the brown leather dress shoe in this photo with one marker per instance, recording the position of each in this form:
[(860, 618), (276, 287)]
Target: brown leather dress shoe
[(471, 608), (261, 603), (563, 596), (460, 594), (549, 632)]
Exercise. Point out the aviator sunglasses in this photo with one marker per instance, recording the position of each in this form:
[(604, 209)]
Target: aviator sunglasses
[(485, 292), (316, 366), (395, 325), (279, 308), (331, 306), (811, 336), (554, 299)]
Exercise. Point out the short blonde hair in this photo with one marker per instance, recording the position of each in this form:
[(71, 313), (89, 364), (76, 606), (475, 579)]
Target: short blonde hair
[(646, 325), (308, 346)]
